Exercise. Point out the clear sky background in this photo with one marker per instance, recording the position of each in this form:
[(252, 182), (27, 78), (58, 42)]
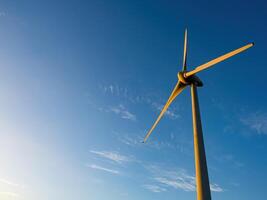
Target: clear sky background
[(82, 81)]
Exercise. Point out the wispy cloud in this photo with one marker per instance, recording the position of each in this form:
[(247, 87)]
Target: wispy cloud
[(123, 93), (119, 95), (154, 188), (182, 143), (256, 122), (11, 187), (137, 141), (215, 188), (113, 156), (122, 112), (114, 90), (97, 167), (131, 141), (126, 95), (177, 179), (9, 194), (179, 182), (158, 177), (119, 110), (12, 183), (7, 182), (169, 113)]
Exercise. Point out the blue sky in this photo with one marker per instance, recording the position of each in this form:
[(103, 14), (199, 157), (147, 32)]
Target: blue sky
[(82, 81)]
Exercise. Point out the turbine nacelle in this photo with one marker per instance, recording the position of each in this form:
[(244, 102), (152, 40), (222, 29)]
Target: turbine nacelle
[(189, 80)]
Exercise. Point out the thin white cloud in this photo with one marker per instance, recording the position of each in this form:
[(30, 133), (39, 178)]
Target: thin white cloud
[(256, 122), (215, 188), (7, 182), (177, 179), (97, 167), (12, 186), (113, 156), (177, 183), (119, 110), (154, 188), (161, 177), (122, 92), (169, 113), (9, 194), (122, 112), (138, 141), (183, 144), (135, 97), (130, 141), (114, 90)]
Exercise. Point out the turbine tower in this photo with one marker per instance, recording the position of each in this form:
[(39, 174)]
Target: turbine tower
[(189, 78)]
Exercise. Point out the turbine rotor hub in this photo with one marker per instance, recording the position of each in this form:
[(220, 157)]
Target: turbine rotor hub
[(189, 80)]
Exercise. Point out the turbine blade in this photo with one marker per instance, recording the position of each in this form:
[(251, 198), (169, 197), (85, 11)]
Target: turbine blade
[(217, 60), (176, 91), (185, 50)]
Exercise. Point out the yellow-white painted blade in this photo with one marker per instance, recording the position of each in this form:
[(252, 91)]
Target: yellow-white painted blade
[(217, 60), (176, 91), (185, 50)]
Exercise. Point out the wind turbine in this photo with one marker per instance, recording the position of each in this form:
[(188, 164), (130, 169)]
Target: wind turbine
[(189, 78)]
